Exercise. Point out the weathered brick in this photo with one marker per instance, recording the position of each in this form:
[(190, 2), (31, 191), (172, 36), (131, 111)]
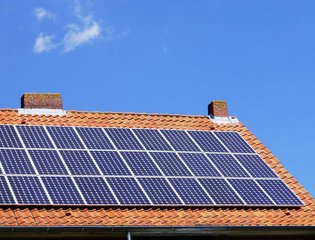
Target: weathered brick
[(41, 100), (218, 108)]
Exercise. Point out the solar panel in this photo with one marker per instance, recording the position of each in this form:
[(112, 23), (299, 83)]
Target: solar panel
[(279, 192), (34, 137), (170, 164), (141, 164), (127, 191), (199, 164), (95, 191), (48, 162), (28, 190), (152, 139), (62, 190), (207, 141), (94, 138), (180, 140), (5, 193), (65, 138), (234, 142), (123, 139), (190, 191), (115, 166), (250, 192), (15, 161), (256, 166), (79, 162), (227, 165), (221, 192), (159, 191), (8, 137), (110, 163)]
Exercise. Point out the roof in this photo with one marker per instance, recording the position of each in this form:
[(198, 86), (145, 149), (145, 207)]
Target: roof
[(38, 216)]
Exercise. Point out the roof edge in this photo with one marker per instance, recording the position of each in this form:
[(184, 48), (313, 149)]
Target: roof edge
[(171, 231)]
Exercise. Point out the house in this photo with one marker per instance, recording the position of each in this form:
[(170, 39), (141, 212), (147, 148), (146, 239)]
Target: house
[(214, 221)]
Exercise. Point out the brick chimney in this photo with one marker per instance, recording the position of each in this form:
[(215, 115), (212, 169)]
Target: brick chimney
[(218, 108), (41, 100)]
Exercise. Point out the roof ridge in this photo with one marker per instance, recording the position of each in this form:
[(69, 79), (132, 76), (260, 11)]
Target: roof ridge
[(140, 113), (124, 113)]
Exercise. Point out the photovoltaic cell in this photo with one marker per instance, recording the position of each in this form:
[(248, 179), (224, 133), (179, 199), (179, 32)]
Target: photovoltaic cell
[(123, 139), (95, 190), (15, 161), (250, 192), (110, 163), (5, 194), (152, 139), (180, 140), (207, 141), (234, 142), (159, 191), (199, 164), (141, 164), (220, 191), (48, 162), (190, 191), (62, 190), (170, 164), (28, 190), (94, 138), (79, 162), (127, 191), (227, 165), (8, 137), (279, 192), (34, 137), (256, 166), (65, 138)]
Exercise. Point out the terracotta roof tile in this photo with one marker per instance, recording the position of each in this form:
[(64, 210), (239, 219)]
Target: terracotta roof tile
[(41, 216)]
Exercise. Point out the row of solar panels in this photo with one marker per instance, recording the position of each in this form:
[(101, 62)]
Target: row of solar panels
[(121, 139), (126, 163), (143, 191), (117, 154)]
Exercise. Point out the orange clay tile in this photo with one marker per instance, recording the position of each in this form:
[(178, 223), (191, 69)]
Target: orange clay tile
[(41, 216)]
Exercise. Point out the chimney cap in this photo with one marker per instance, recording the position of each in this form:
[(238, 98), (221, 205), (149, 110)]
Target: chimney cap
[(218, 108), (41, 101)]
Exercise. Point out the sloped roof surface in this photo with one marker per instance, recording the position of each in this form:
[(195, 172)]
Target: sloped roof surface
[(178, 217)]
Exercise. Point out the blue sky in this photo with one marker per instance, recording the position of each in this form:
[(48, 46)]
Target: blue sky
[(172, 57)]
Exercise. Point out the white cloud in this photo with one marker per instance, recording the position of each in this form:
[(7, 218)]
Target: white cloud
[(83, 30), (43, 43), (41, 13), (77, 35), (86, 31)]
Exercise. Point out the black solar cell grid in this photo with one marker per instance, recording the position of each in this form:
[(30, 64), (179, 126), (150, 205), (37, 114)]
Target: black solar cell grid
[(116, 166)]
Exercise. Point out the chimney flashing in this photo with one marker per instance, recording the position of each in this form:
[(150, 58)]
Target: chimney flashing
[(41, 111), (224, 120)]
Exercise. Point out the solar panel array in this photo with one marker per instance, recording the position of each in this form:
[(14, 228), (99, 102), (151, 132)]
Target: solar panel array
[(47, 165)]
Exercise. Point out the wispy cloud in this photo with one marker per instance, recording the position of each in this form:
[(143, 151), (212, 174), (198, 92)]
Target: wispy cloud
[(80, 35), (43, 43), (84, 29), (41, 13)]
